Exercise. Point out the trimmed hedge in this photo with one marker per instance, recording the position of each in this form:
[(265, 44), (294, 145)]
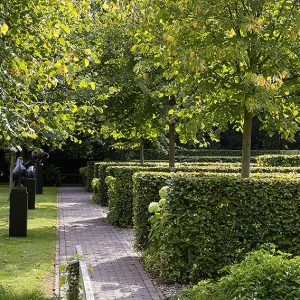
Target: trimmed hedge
[(100, 194), (121, 199), (151, 154), (222, 152), (146, 186), (208, 159), (210, 221), (120, 208), (279, 160), (89, 175)]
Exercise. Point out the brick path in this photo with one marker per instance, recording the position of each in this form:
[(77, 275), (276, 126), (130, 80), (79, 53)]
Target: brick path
[(117, 273)]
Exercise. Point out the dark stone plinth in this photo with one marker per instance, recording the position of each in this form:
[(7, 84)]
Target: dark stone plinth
[(18, 212), (30, 185), (39, 178)]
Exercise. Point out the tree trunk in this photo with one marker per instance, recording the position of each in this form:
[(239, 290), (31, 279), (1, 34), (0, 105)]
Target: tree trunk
[(11, 168), (171, 145), (142, 156), (246, 150)]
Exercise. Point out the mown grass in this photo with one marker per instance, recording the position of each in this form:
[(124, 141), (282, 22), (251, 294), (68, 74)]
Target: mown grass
[(27, 263)]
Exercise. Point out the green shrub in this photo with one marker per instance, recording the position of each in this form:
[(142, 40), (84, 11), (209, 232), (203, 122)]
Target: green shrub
[(224, 159), (82, 172), (95, 187), (263, 274), (146, 186), (151, 154), (101, 194), (222, 152), (211, 221), (120, 200), (121, 206), (89, 175), (279, 160)]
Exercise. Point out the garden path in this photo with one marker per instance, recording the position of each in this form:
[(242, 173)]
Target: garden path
[(117, 272)]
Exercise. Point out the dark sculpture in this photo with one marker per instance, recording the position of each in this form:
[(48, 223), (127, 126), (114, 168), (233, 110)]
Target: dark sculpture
[(39, 156), (19, 173), (31, 172)]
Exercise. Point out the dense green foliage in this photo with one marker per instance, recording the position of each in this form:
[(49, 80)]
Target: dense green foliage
[(120, 201), (156, 155), (224, 159), (211, 221), (89, 175), (223, 152), (44, 55), (120, 205), (100, 192), (263, 274), (146, 186), (279, 160)]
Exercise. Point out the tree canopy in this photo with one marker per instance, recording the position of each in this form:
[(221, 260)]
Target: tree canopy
[(223, 68), (43, 48)]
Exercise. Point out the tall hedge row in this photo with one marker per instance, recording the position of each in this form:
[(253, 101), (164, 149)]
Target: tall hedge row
[(221, 159), (222, 152), (146, 186), (121, 204), (278, 160), (89, 175), (152, 154), (209, 222), (121, 198), (100, 194)]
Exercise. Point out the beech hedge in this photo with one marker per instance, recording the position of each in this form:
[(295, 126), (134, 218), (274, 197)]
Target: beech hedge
[(121, 198), (279, 160), (120, 208), (89, 175), (212, 221), (120, 202), (151, 154), (223, 152), (100, 193), (146, 186), (208, 159)]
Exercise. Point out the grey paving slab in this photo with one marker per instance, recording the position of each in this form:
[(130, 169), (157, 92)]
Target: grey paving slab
[(117, 272)]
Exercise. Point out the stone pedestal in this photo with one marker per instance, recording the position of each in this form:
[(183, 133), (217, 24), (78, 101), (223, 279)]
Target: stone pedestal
[(31, 188), (18, 211)]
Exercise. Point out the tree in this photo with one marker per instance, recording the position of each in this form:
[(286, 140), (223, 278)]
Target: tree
[(44, 51), (43, 47), (224, 68)]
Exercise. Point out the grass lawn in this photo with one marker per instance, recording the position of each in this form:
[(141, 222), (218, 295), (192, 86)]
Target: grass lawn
[(27, 263)]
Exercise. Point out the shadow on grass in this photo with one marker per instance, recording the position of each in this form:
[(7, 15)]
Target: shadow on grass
[(27, 263)]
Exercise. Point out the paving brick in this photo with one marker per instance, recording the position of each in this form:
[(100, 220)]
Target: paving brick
[(117, 273)]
